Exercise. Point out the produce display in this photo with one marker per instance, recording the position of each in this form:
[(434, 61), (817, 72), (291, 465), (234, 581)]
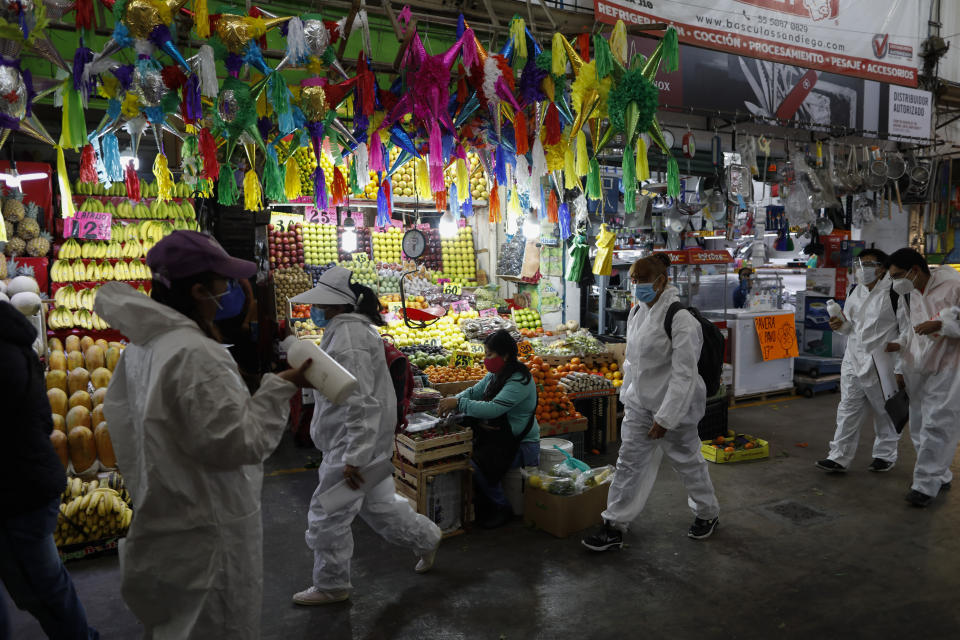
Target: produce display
[(319, 243), (389, 274), (551, 260), (578, 382), (553, 405), (364, 273), (315, 271), (288, 283), (578, 343), (488, 297), (286, 245), (432, 257), (181, 213), (23, 233), (527, 319), (99, 270), (444, 333), (568, 480), (424, 355), (439, 375), (510, 260), (387, 245), (92, 511), (79, 373), (477, 329), (425, 399), (459, 257), (733, 442)]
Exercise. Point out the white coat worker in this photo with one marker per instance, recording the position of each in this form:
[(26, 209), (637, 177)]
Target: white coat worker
[(352, 434), (929, 348), (190, 441), (869, 321), (664, 399)]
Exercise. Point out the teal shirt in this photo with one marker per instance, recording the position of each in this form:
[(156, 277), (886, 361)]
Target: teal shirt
[(517, 400)]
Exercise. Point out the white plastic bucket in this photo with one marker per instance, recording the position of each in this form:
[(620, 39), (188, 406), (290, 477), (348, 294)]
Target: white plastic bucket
[(325, 374), (550, 456)]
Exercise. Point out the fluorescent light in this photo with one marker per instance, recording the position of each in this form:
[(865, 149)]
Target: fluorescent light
[(349, 240), (448, 226), (14, 180), (127, 157)]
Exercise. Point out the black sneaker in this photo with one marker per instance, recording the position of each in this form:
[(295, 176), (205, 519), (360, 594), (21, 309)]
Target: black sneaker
[(606, 538), (880, 466), (918, 499), (701, 528), (830, 465)]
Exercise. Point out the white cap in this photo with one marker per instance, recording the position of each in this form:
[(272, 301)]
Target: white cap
[(333, 287)]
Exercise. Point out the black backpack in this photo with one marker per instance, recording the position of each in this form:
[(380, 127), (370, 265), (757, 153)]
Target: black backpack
[(710, 364)]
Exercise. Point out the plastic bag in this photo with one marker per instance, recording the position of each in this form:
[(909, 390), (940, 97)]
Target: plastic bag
[(556, 485), (594, 478), (563, 470)]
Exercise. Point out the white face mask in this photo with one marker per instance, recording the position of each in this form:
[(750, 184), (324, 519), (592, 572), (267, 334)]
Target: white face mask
[(903, 285), (866, 277)]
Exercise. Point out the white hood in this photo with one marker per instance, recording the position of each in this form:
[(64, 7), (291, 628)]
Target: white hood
[(135, 315)]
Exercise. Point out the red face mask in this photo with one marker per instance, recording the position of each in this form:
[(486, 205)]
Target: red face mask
[(493, 364)]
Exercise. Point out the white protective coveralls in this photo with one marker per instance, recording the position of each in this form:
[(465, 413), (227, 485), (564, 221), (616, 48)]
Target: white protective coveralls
[(870, 324), (930, 366), (355, 432), (661, 384), (190, 441)]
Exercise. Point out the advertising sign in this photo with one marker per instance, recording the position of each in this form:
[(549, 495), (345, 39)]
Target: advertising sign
[(871, 39)]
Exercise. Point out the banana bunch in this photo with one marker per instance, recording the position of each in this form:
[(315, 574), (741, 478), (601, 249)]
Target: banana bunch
[(99, 513), (114, 250), (93, 250), (132, 249), (153, 231), (72, 299), (71, 249), (60, 318), (134, 270)]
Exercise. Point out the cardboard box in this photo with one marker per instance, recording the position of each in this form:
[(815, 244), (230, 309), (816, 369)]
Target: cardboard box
[(564, 515), (760, 449), (829, 282)]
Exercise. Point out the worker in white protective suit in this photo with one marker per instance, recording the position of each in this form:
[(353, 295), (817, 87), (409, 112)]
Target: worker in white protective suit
[(352, 434), (869, 321), (929, 348), (190, 441), (664, 399)]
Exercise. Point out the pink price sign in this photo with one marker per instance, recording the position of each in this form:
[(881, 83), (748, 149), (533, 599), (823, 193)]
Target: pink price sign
[(460, 306), (487, 313), (88, 225)]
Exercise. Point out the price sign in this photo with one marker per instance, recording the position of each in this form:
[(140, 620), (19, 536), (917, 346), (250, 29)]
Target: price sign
[(474, 348), (778, 337), (488, 313), (443, 281), (88, 225), (452, 288), (460, 306), (312, 214), (435, 342), (525, 349), (361, 257), (462, 360), (393, 307)]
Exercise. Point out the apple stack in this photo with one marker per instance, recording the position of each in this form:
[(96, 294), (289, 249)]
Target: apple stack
[(459, 259), (286, 245), (319, 243)]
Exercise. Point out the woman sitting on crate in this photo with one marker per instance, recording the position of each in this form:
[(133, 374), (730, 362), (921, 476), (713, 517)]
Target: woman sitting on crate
[(507, 435)]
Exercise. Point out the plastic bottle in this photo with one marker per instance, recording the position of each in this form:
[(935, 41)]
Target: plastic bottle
[(834, 309), (325, 374)]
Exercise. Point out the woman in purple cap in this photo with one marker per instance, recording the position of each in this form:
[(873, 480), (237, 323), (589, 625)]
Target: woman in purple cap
[(190, 440)]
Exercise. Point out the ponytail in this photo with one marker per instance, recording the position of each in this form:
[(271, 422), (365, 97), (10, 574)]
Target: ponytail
[(368, 304)]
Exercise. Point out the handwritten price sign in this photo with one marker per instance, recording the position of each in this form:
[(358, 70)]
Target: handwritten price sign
[(462, 360), (435, 342), (452, 288), (394, 307), (361, 257), (488, 313), (525, 349), (460, 306), (778, 337), (474, 348), (88, 225)]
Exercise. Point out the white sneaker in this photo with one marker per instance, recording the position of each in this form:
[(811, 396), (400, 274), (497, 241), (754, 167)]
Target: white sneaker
[(313, 596), (426, 560)]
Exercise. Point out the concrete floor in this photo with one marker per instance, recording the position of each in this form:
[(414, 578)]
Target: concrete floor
[(842, 556)]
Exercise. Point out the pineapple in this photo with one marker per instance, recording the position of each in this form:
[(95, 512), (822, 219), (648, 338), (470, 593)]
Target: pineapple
[(10, 227), (3, 268), (15, 247), (39, 246), (13, 207), (29, 228)]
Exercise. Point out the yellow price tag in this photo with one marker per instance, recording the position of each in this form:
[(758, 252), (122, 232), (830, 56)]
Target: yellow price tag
[(361, 257), (452, 288), (525, 349), (393, 307), (475, 348), (462, 360)]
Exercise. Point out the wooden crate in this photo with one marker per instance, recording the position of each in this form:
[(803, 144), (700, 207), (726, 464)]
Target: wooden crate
[(548, 429), (413, 483), (453, 388), (418, 452)]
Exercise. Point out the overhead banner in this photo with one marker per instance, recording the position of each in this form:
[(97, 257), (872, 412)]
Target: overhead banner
[(870, 39)]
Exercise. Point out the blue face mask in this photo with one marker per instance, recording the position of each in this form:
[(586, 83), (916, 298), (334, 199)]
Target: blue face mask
[(319, 316), (644, 292), (231, 302)]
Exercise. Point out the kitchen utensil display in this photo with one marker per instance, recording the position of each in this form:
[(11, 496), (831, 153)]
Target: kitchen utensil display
[(796, 204), (824, 225), (739, 183), (876, 174), (853, 177), (896, 167)]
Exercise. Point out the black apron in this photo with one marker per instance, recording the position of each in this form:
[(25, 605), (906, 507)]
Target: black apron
[(494, 445)]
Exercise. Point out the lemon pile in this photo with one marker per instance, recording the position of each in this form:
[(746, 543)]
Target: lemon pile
[(459, 257), (387, 245), (446, 330)]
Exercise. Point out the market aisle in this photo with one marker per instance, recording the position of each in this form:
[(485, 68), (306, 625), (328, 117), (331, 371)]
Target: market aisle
[(797, 553)]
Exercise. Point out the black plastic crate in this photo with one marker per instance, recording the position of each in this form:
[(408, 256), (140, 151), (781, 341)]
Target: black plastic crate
[(714, 422)]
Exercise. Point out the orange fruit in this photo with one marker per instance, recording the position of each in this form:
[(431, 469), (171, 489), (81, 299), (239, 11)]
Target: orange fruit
[(728, 449)]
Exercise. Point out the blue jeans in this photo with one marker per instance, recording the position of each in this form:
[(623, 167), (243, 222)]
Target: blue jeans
[(527, 456), (36, 579)]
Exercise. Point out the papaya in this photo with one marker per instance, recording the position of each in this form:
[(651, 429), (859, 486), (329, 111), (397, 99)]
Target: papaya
[(78, 417), (59, 441), (104, 446), (72, 343), (99, 396), (77, 380), (118, 345), (103, 344), (85, 343), (111, 357), (83, 449), (57, 379), (81, 399), (57, 360), (54, 344), (93, 357), (96, 416), (58, 401), (74, 360), (59, 423), (100, 378)]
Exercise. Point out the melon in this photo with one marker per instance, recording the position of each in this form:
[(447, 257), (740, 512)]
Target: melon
[(58, 401), (104, 446), (22, 284), (93, 357), (100, 378), (54, 344), (27, 302), (112, 357), (72, 343), (103, 344), (99, 396), (96, 416), (78, 417), (83, 449), (77, 380), (57, 379), (57, 360), (81, 399), (59, 441), (59, 424), (85, 343), (74, 360)]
